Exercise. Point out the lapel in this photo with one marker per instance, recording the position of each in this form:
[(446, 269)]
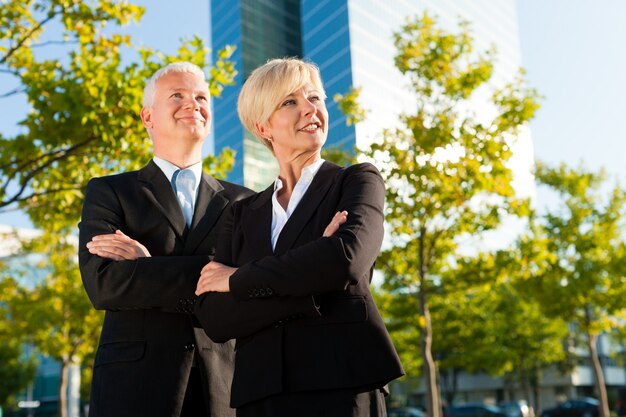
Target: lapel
[(307, 207), (257, 224), (209, 205), (159, 192)]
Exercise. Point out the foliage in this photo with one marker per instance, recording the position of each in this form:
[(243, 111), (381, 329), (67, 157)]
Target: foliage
[(84, 108), (349, 105), (585, 276), (447, 178), (17, 369), (339, 155)]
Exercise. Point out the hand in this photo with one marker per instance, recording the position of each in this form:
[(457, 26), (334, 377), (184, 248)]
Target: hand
[(339, 219), (117, 246), (215, 277)]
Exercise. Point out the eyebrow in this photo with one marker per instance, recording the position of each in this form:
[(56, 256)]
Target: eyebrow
[(186, 89)]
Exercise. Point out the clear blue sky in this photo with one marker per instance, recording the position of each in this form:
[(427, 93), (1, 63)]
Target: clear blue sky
[(574, 52), (575, 55)]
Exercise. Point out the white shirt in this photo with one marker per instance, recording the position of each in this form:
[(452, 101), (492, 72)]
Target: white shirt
[(280, 215), (169, 168)]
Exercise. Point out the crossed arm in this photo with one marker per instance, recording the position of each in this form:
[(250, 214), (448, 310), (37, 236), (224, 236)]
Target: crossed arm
[(214, 276)]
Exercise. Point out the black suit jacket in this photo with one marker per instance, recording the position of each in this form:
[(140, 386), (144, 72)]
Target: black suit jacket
[(149, 342), (303, 315)]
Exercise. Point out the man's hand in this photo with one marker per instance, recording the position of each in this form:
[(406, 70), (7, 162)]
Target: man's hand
[(339, 219), (214, 277), (117, 246)]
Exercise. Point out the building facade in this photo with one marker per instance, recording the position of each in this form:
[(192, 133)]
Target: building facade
[(352, 43)]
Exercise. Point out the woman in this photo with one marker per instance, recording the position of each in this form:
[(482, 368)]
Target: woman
[(309, 339)]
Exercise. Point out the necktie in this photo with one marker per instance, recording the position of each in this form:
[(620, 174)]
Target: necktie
[(184, 184)]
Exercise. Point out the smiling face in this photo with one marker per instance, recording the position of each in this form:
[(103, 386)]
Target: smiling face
[(299, 125), (179, 113)]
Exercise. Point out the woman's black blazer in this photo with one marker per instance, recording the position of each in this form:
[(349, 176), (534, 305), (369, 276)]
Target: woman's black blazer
[(303, 315)]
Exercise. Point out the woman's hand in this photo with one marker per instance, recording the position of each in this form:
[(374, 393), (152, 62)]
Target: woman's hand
[(117, 246), (339, 219), (214, 277)]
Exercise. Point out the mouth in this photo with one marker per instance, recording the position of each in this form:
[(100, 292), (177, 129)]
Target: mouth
[(192, 119), (311, 127)]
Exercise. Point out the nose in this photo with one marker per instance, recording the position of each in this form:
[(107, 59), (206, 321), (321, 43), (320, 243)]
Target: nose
[(191, 103), (308, 108)]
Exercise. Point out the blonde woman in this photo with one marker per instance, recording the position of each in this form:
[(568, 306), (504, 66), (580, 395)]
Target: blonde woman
[(292, 291)]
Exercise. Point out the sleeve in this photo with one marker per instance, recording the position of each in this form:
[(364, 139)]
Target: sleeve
[(327, 263), (224, 318), (161, 282)]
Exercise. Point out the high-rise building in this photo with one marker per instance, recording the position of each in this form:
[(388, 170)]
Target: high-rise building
[(352, 43)]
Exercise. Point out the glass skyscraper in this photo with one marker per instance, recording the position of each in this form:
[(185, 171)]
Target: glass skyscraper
[(352, 43)]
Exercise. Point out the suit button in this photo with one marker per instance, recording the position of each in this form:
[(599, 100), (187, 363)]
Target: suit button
[(269, 291), (262, 292), (189, 347), (255, 293)]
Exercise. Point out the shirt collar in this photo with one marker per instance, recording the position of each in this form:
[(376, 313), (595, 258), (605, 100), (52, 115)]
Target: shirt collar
[(169, 168), (306, 177)]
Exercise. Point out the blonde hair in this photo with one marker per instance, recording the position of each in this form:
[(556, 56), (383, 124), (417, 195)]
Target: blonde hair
[(150, 89), (268, 85)]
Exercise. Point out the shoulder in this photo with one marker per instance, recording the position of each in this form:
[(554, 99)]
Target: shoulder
[(235, 191), (114, 180), (362, 167), (361, 170)]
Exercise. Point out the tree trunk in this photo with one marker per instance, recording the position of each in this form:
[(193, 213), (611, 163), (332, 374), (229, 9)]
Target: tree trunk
[(525, 377), (592, 340), (73, 396), (433, 401), (433, 406), (534, 382), (62, 408)]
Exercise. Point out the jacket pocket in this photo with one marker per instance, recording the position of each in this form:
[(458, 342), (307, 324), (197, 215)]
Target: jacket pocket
[(119, 352)]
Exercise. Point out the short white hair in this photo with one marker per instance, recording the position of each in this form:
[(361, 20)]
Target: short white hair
[(150, 89)]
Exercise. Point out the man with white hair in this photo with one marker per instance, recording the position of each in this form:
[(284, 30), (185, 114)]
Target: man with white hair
[(153, 358)]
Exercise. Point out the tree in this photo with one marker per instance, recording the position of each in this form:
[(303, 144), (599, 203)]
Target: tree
[(83, 120), (17, 369), (485, 321), (585, 279), (49, 309), (446, 171)]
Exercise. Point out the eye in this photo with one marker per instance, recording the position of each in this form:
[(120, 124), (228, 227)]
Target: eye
[(288, 102), (176, 95), (314, 98), (202, 98)]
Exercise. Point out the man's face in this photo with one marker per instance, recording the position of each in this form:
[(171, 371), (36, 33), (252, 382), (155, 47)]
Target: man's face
[(180, 109)]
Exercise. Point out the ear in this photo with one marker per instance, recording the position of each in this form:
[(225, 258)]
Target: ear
[(262, 131), (146, 117)]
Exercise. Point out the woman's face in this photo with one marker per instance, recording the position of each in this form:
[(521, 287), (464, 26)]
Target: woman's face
[(300, 124)]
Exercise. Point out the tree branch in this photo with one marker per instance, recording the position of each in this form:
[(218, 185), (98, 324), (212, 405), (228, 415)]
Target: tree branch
[(4, 210), (39, 45), (26, 179), (19, 44), (8, 71), (16, 90)]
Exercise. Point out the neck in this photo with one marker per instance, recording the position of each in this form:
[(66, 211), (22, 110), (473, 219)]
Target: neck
[(290, 170), (182, 158)]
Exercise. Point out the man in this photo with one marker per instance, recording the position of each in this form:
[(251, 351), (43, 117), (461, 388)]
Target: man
[(153, 358)]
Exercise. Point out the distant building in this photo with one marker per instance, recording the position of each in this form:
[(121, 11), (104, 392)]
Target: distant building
[(351, 41)]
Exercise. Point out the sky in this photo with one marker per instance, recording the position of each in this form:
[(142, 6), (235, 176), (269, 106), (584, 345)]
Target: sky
[(574, 52)]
